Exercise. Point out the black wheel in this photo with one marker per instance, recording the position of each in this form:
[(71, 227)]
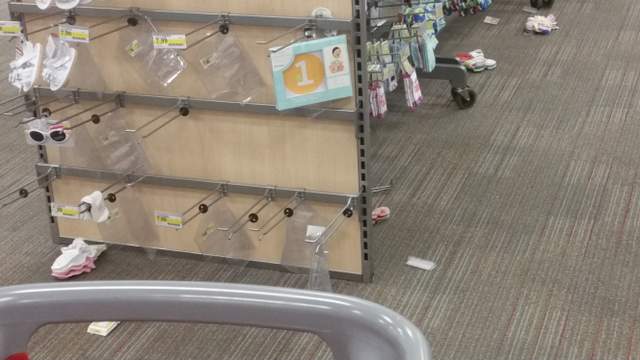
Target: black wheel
[(548, 3), (464, 102), (536, 4)]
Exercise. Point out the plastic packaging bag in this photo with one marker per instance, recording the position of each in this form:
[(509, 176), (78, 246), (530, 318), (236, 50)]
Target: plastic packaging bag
[(229, 73)]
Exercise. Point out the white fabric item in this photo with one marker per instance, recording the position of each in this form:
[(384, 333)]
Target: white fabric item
[(43, 4), (67, 4), (59, 60), (76, 254), (24, 69), (98, 210), (542, 24)]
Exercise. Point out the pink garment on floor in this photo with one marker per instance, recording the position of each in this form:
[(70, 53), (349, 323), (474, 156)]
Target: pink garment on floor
[(85, 267)]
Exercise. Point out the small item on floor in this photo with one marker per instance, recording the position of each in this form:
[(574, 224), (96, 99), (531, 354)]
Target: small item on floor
[(421, 263), (102, 328), (530, 10), (380, 214), (94, 207), (491, 20), (475, 61), (543, 25), (76, 259)]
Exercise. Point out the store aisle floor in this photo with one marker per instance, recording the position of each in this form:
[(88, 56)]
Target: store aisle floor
[(529, 203)]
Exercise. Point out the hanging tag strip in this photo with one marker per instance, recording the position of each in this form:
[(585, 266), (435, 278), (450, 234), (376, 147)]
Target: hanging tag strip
[(77, 34), (65, 211), (164, 219), (170, 41), (10, 28)]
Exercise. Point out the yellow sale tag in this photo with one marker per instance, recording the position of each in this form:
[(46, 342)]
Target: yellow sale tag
[(73, 33), (10, 28), (170, 41), (64, 211), (173, 221)]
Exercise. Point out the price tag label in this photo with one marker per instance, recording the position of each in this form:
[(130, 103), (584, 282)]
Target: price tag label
[(164, 219), (133, 48), (10, 28), (70, 33), (65, 211), (170, 41)]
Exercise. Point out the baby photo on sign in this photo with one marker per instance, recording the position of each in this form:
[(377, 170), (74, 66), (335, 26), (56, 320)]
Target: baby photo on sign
[(336, 60)]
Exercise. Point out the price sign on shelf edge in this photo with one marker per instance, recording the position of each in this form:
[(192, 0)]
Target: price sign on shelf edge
[(10, 28), (170, 41), (77, 34)]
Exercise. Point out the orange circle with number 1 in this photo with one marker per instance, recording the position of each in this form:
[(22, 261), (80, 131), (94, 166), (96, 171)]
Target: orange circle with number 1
[(305, 75)]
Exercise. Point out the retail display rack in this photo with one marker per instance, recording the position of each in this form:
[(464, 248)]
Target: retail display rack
[(248, 182), (215, 152)]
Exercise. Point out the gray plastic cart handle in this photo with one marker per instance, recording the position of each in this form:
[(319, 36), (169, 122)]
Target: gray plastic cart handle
[(354, 329)]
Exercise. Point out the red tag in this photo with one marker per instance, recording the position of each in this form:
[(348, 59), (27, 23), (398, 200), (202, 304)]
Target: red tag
[(19, 356)]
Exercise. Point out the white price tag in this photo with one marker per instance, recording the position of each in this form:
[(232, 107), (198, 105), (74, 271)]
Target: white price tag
[(170, 41), (10, 28), (65, 211), (164, 219), (70, 33), (314, 233)]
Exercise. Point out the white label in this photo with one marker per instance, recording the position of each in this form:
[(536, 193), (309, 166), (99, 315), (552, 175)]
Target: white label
[(170, 41), (133, 48), (304, 81), (314, 233), (68, 33), (65, 211), (10, 28), (164, 219)]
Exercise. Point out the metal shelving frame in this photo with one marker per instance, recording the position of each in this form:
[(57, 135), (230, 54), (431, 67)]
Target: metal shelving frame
[(358, 27)]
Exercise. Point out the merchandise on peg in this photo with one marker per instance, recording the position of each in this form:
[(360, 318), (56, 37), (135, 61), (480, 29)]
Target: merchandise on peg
[(59, 61)]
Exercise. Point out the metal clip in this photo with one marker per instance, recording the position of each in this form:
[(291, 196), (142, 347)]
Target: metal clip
[(131, 22), (223, 28), (24, 190), (250, 214), (112, 196), (285, 213), (183, 110), (84, 111), (70, 19), (309, 29), (203, 206), (335, 223)]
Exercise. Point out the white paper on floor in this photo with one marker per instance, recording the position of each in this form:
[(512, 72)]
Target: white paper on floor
[(491, 20), (421, 263), (102, 328)]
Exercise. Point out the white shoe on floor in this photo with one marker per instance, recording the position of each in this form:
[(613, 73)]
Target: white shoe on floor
[(490, 64)]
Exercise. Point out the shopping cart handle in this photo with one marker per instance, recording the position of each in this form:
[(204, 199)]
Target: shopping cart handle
[(354, 329)]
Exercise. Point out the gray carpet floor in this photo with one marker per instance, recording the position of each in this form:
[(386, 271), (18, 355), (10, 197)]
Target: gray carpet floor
[(528, 203)]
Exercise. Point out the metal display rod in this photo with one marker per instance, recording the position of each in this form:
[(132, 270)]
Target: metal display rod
[(200, 184), (166, 15), (196, 103)]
